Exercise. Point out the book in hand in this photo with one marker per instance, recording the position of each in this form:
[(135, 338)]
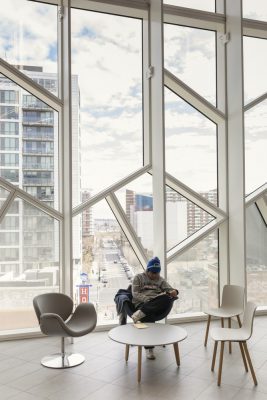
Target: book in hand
[(140, 325)]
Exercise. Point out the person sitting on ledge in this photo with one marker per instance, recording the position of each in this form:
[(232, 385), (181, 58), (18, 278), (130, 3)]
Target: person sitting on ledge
[(152, 294)]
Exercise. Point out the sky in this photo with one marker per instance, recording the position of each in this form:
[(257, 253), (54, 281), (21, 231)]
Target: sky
[(107, 57)]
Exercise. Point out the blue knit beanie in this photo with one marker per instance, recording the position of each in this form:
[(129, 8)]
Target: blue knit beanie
[(153, 265)]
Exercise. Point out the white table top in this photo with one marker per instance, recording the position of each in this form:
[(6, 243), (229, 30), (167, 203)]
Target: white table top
[(154, 335)]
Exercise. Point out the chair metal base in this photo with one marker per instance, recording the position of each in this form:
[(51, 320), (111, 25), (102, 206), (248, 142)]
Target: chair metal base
[(66, 360)]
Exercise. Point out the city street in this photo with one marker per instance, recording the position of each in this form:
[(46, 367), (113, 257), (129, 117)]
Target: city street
[(109, 276)]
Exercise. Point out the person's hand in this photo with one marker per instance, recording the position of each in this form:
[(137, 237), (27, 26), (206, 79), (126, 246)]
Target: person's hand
[(173, 293)]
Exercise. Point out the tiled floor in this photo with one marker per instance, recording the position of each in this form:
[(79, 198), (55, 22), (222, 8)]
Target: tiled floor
[(106, 375)]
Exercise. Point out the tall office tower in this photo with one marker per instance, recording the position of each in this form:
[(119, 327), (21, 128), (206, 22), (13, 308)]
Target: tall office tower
[(87, 220), (29, 151)]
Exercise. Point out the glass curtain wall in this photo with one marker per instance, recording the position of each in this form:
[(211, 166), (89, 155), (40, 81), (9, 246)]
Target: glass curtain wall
[(113, 216), (255, 159)]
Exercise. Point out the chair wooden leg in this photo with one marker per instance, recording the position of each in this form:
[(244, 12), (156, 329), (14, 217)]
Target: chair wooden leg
[(239, 321), (127, 348), (220, 365), (177, 355), (230, 344), (222, 323), (250, 363), (139, 363), (243, 356), (207, 331), (214, 356)]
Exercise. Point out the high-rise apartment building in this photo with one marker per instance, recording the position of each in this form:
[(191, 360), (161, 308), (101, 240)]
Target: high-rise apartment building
[(29, 148), (87, 220), (183, 217)]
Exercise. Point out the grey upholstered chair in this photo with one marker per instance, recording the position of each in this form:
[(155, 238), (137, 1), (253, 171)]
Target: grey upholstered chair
[(54, 313)]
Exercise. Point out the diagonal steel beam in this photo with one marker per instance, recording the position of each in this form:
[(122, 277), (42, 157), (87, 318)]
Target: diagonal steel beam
[(28, 84), (30, 199), (118, 185), (202, 105), (127, 228), (194, 197), (254, 196), (193, 239)]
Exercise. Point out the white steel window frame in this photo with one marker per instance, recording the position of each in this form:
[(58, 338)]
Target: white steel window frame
[(231, 193)]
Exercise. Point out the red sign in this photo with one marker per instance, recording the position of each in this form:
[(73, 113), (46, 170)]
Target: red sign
[(84, 294)]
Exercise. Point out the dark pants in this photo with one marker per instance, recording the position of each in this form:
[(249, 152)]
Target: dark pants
[(154, 309)]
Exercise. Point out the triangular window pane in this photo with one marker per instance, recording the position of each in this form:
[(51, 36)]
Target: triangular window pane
[(137, 201), (255, 147), (191, 146), (104, 261), (29, 262), (255, 63), (189, 54), (256, 257), (195, 274), (28, 40), (183, 218)]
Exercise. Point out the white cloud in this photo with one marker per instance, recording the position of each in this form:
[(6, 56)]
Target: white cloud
[(255, 9), (190, 55), (27, 32)]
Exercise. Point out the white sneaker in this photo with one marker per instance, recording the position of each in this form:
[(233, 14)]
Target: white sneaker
[(137, 315), (150, 354)]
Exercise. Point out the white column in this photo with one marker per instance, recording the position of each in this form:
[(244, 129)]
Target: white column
[(236, 181), (66, 151), (223, 277), (157, 130)]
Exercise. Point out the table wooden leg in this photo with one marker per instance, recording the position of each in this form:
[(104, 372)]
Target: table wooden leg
[(207, 331), (239, 321), (222, 323), (139, 363), (127, 348), (176, 351)]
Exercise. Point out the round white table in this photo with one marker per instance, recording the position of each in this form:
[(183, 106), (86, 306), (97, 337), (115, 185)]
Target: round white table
[(153, 335)]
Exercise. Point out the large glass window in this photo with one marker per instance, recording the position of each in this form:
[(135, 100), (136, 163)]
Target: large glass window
[(255, 146), (29, 262), (28, 39), (183, 218), (195, 274), (255, 9), (104, 262), (107, 59), (255, 63), (256, 235), (37, 132), (190, 53), (137, 202), (191, 146)]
